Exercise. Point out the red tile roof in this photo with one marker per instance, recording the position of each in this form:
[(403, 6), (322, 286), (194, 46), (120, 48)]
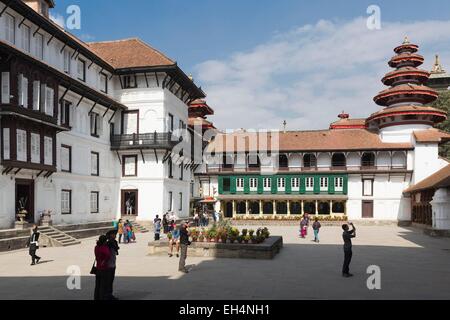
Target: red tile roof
[(130, 53), (348, 124), (440, 179), (200, 121), (431, 135), (321, 140)]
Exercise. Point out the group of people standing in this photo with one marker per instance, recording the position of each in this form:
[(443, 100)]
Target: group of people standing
[(202, 217), (125, 231), (104, 268), (304, 224)]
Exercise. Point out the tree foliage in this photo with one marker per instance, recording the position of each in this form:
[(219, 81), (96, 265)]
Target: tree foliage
[(443, 103)]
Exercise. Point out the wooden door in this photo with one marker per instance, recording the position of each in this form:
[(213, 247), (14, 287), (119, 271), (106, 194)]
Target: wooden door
[(367, 209)]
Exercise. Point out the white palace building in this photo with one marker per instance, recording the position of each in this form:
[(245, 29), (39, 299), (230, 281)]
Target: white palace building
[(95, 131), (89, 130), (385, 167)]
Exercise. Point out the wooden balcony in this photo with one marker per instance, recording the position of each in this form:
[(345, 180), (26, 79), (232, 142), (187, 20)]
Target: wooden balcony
[(156, 140)]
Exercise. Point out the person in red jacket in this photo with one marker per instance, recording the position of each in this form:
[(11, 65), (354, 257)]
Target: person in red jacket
[(102, 257)]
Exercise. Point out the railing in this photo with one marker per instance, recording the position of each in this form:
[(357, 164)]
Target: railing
[(154, 140), (217, 169)]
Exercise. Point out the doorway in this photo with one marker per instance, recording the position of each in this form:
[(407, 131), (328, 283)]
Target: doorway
[(25, 198), (129, 202), (228, 210), (367, 209)]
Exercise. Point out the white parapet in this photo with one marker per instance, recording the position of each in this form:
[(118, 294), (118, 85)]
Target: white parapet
[(441, 209)]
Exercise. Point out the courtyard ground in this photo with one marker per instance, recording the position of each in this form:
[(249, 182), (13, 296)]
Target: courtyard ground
[(413, 266)]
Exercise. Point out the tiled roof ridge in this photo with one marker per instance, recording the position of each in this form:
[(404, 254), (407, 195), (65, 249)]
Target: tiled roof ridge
[(139, 40), (295, 131)]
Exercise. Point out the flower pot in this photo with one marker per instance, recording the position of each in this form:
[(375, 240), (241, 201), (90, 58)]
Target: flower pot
[(245, 241)]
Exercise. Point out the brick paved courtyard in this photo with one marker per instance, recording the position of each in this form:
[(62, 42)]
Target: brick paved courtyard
[(413, 266)]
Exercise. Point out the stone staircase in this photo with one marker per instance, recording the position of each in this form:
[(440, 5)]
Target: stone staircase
[(52, 237), (138, 228)]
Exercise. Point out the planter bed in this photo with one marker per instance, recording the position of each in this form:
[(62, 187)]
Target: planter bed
[(266, 250)]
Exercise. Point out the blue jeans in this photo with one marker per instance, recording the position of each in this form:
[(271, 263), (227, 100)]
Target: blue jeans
[(316, 235)]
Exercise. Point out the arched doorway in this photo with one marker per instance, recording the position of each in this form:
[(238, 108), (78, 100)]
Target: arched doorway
[(281, 207), (338, 160), (324, 208), (254, 207), (339, 207), (268, 207), (296, 208), (368, 159), (229, 210), (309, 161), (309, 207), (283, 162), (241, 207)]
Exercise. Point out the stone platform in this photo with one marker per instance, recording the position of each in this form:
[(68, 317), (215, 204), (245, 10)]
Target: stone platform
[(266, 250)]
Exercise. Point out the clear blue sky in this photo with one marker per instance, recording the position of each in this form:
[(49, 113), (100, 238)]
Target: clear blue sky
[(192, 31)]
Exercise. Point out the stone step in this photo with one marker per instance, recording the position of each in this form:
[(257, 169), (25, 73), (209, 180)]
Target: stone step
[(67, 244), (58, 237), (69, 241)]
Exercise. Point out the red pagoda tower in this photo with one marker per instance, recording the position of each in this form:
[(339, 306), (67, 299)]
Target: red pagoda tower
[(198, 111), (404, 102)]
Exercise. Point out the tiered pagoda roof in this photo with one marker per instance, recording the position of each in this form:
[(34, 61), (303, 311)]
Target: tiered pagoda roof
[(198, 111), (407, 93)]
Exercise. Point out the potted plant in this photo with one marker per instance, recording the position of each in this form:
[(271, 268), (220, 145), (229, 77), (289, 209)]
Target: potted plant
[(260, 239), (251, 232), (194, 234), (247, 238), (22, 213), (201, 237), (244, 232), (212, 234), (224, 236)]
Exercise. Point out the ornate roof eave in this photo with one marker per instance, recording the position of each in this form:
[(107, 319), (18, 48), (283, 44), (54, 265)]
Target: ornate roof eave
[(407, 46), (417, 59), (402, 73), (391, 112), (404, 90)]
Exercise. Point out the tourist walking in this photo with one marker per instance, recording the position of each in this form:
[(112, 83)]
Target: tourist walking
[(306, 215), (316, 227), (184, 243), (157, 227), (165, 223), (196, 219), (111, 271), (102, 257), (303, 227), (120, 229), (131, 235), (125, 232), (175, 241), (33, 244), (347, 236)]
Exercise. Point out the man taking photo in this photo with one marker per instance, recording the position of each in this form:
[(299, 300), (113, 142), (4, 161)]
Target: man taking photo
[(347, 236)]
